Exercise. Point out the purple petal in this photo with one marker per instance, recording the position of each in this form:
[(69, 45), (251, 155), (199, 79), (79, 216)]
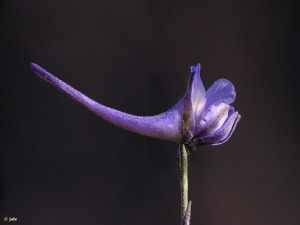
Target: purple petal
[(194, 101), (222, 91), (164, 126), (197, 90), (213, 119), (223, 140), (222, 134)]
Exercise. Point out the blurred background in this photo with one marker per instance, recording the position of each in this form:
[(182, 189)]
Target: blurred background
[(61, 164)]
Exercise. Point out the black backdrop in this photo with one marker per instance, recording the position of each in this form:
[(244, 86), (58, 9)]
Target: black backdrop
[(61, 164)]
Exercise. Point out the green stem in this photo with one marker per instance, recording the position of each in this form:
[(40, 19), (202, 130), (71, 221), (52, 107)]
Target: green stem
[(183, 178)]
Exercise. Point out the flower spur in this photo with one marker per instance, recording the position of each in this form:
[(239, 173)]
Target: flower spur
[(199, 118)]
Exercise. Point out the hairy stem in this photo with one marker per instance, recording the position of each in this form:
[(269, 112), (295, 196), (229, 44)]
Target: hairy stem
[(183, 179)]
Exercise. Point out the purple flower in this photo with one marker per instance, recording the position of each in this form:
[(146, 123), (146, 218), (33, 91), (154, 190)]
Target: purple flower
[(199, 118)]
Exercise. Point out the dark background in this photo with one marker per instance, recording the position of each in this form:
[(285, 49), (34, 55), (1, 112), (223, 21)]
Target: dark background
[(61, 164)]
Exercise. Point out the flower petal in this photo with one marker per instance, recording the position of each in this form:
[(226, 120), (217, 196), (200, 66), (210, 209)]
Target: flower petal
[(194, 100), (224, 139), (213, 119), (222, 91), (164, 126), (197, 90), (222, 134)]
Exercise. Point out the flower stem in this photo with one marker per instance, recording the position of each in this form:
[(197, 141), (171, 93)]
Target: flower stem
[(183, 179)]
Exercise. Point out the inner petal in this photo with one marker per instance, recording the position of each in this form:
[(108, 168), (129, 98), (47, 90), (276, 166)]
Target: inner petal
[(213, 119)]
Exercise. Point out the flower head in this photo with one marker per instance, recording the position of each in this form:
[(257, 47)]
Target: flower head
[(208, 117), (199, 118)]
